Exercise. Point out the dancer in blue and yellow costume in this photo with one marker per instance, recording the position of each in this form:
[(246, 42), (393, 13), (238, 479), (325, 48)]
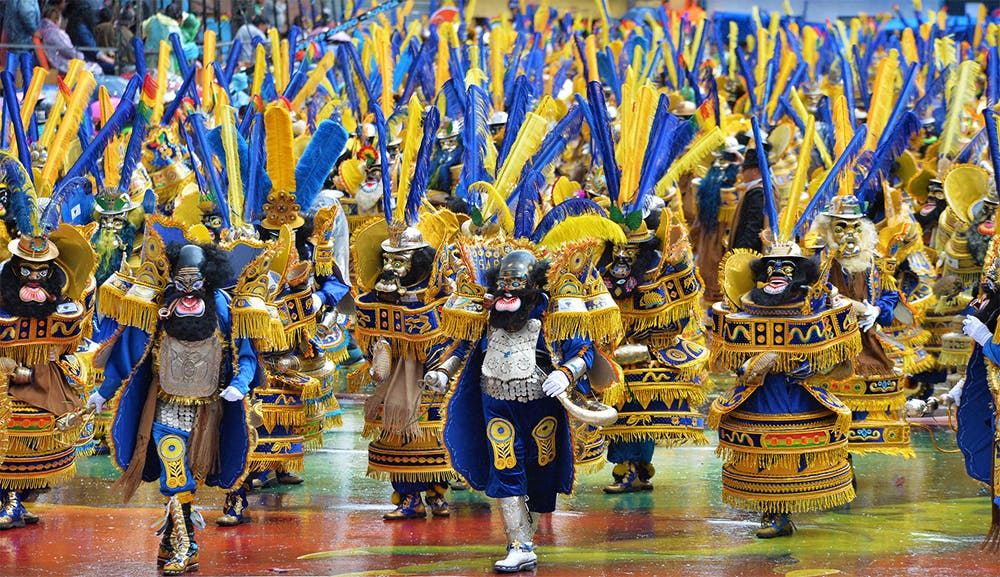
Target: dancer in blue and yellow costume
[(46, 306), (652, 278), (398, 329), (782, 435)]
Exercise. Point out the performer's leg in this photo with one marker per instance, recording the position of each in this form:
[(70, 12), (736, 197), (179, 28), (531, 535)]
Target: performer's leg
[(234, 511), (178, 552), (775, 525), (520, 528), (633, 466), (11, 510), (183, 520), (406, 498), (436, 500)]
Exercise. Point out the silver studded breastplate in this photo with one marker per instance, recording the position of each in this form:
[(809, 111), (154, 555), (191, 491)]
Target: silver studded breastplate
[(510, 372)]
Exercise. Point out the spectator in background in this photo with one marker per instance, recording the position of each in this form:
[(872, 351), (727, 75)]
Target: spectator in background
[(255, 28), (117, 35), (159, 26), (21, 19), (58, 47)]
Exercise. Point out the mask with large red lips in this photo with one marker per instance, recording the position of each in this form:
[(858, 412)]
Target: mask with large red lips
[(31, 289), (782, 280), (190, 312)]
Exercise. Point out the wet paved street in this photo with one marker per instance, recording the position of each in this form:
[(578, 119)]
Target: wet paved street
[(921, 517)]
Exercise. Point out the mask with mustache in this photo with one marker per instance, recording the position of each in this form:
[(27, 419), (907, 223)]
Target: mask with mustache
[(782, 280), (190, 313), (31, 289), (928, 214), (402, 271), (515, 290)]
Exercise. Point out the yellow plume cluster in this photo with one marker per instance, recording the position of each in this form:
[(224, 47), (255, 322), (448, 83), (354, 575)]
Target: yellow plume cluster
[(382, 47), (576, 228), (441, 67), (411, 145), (801, 111), (788, 64), (49, 132), (230, 143), (67, 133), (944, 50), (207, 70), (962, 93), (810, 53), (317, 76), (909, 45), (844, 131), (882, 99), (162, 64), (638, 108), (493, 204), (528, 140), (259, 70), (734, 36), (113, 151), (31, 95), (791, 213), (280, 151), (498, 48), (700, 149)]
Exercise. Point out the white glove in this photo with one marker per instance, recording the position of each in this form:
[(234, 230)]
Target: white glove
[(436, 381), (868, 316), (956, 392), (555, 383), (975, 328), (231, 394), (317, 303), (96, 401)]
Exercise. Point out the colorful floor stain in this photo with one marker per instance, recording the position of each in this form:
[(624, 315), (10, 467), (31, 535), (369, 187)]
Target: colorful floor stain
[(918, 517)]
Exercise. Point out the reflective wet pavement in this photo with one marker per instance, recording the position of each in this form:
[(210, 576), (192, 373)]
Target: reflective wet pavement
[(919, 517)]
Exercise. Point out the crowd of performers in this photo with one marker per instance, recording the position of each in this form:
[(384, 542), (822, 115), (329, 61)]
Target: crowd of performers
[(538, 245)]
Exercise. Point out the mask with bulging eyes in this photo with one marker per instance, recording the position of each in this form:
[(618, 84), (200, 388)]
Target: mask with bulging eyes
[(33, 277), (395, 266), (619, 278), (780, 273), (847, 235)]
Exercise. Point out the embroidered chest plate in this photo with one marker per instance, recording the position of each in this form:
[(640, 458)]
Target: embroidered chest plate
[(511, 356), (190, 368)]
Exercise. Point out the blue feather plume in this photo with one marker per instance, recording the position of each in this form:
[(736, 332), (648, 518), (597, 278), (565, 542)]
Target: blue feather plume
[(608, 74), (171, 110), (710, 198), (113, 127), (895, 140), (990, 116), (529, 196), (581, 51), (770, 208), (517, 109), (747, 77), (829, 186), (553, 145), (14, 111), (383, 139), (601, 131), (233, 59), (350, 88), (216, 189), (178, 50), (422, 165), (993, 78), (476, 137), (20, 193), (317, 160), (258, 182), (658, 153), (561, 75), (971, 151)]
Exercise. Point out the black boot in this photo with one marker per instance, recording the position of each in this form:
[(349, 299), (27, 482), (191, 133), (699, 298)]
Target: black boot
[(166, 549)]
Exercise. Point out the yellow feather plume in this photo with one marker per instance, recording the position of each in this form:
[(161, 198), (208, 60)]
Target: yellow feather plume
[(791, 214), (944, 50), (493, 203), (259, 70), (788, 64), (843, 132), (810, 54), (275, 41), (230, 144), (734, 37), (497, 68), (637, 112), (383, 58), (576, 228), (441, 67), (112, 152), (49, 132), (162, 64), (207, 70), (529, 138), (285, 63), (58, 151), (411, 145), (280, 151), (591, 48), (31, 95), (317, 76), (909, 45), (700, 149), (962, 94), (882, 100)]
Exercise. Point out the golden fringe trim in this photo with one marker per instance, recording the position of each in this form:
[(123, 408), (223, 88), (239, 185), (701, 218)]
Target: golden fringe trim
[(463, 325), (335, 422), (313, 442), (591, 466), (867, 403), (411, 476), (790, 359), (374, 431), (665, 437), (743, 460), (164, 396), (359, 378), (338, 356), (634, 322), (32, 354), (602, 327), (953, 359), (24, 446), (287, 465), (400, 347), (862, 450), (620, 393), (287, 418), (39, 482), (141, 315), (109, 301), (251, 324), (86, 452), (789, 505), (323, 268), (913, 364)]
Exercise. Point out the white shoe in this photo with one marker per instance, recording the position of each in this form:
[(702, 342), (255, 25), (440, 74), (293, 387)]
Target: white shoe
[(520, 557)]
